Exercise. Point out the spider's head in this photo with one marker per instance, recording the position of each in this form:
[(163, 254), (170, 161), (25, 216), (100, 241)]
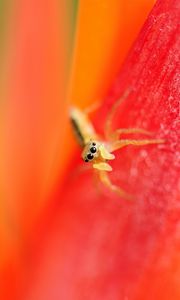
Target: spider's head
[(96, 152), (91, 151)]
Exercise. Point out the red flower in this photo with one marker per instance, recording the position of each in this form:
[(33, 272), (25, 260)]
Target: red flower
[(97, 245)]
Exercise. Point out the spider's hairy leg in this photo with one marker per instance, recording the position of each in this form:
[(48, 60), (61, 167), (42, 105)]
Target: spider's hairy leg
[(123, 143), (102, 166), (96, 182), (115, 135), (104, 177), (79, 170), (92, 108), (105, 153), (108, 124)]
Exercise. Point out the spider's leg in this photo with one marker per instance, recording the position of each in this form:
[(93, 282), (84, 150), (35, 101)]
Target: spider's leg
[(105, 153), (93, 107), (104, 177), (102, 166), (115, 135), (108, 124), (96, 182), (80, 170), (122, 143)]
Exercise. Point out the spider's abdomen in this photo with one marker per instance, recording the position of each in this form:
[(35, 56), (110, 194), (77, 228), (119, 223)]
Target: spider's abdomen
[(82, 127)]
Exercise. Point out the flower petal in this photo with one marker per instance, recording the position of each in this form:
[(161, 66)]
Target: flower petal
[(99, 245)]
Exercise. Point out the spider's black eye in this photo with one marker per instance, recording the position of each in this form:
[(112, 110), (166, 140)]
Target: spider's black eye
[(93, 149), (90, 156), (86, 160), (94, 144)]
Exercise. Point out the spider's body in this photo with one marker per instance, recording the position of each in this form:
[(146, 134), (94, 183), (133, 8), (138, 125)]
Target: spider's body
[(94, 149), (83, 128), (97, 151)]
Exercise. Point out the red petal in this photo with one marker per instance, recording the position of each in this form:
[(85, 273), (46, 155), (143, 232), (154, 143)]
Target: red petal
[(104, 247)]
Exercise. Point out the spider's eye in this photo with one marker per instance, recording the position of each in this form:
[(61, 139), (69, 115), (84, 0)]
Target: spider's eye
[(94, 144), (86, 160), (90, 156), (93, 149)]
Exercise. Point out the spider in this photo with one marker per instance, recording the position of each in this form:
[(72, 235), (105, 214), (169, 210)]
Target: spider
[(98, 151)]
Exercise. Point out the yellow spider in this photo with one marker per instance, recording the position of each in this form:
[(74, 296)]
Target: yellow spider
[(98, 151)]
